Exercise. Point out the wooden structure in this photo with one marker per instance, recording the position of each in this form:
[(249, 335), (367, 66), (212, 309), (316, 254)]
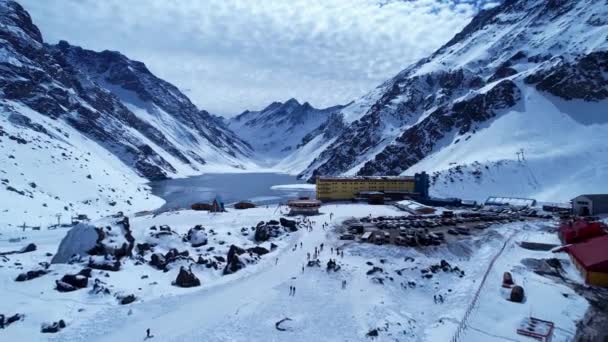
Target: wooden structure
[(536, 328), (304, 207)]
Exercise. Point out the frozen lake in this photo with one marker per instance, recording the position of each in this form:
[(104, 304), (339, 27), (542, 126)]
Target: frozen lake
[(261, 188)]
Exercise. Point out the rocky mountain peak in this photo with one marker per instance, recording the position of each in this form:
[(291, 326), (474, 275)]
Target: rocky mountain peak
[(17, 22)]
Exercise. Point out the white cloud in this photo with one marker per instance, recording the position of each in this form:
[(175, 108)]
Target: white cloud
[(231, 55)]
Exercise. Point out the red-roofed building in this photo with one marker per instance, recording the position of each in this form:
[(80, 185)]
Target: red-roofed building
[(580, 230), (591, 258)]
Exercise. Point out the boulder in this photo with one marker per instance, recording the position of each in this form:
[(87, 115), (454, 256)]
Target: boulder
[(128, 299), (196, 236), (29, 275), (106, 263), (158, 261), (78, 241), (233, 262), (99, 288), (64, 287), (29, 248), (52, 327), (4, 322), (78, 281), (291, 224), (517, 294), (507, 280), (142, 248), (86, 272), (259, 250), (185, 278), (261, 232)]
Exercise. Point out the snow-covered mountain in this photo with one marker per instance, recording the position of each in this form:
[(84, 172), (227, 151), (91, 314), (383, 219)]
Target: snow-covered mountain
[(85, 128), (527, 75), (280, 129)]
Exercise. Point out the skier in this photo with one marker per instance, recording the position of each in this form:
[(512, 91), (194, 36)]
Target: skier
[(148, 335), (343, 284), (331, 250), (294, 291), (302, 269), (301, 245), (290, 290), (276, 261)]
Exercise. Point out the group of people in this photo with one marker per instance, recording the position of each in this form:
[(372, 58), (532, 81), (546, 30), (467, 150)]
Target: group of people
[(339, 252), (292, 290)]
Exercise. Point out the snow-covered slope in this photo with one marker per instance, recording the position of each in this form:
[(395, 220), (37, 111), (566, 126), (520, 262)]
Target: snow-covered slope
[(528, 74), (88, 128), (146, 122), (281, 128)]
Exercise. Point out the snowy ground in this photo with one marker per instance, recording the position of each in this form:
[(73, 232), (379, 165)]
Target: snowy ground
[(246, 305)]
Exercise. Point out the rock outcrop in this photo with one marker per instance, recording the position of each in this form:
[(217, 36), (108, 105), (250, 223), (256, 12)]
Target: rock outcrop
[(186, 278)]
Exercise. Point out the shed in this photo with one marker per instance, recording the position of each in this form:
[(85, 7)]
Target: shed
[(244, 205), (591, 258), (590, 204)]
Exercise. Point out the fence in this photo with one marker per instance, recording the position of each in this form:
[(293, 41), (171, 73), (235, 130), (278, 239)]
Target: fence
[(463, 323)]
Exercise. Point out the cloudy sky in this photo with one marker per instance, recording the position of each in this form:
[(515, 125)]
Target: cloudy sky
[(232, 55)]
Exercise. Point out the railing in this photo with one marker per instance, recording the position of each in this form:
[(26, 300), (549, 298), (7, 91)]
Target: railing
[(463, 323)]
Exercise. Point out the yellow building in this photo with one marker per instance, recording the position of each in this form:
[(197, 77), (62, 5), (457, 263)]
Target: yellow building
[(347, 188)]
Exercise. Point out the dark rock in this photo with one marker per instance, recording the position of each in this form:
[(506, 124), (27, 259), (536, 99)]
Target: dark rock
[(142, 248), (517, 294), (233, 262), (53, 327), (372, 333), (108, 263), (86, 272), (259, 250), (99, 288), (375, 269), (29, 275), (158, 260), (291, 224), (186, 278), (124, 300), (76, 280), (196, 236), (29, 248), (64, 287)]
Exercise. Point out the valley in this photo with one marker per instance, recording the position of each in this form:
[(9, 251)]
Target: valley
[(128, 212)]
